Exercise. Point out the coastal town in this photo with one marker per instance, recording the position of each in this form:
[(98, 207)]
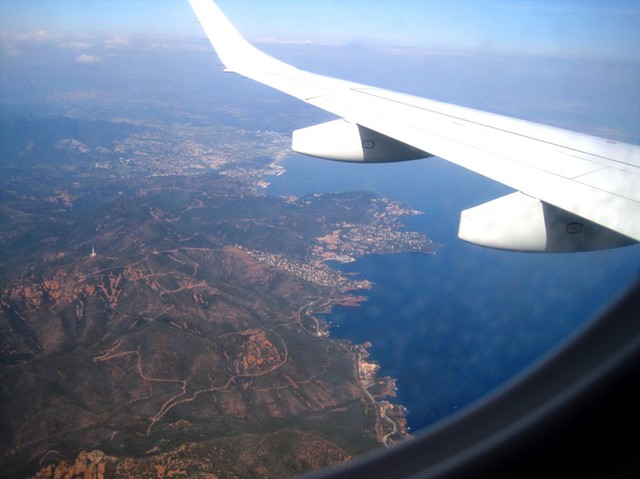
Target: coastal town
[(382, 235), (349, 241), (193, 151), (313, 271)]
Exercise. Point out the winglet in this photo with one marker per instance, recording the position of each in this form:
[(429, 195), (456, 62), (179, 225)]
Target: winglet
[(236, 53), (241, 57)]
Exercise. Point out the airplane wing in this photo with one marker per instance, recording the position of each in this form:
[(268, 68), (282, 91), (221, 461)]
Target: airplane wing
[(574, 192)]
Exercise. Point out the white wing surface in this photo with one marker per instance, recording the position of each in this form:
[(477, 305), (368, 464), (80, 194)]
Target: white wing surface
[(574, 192)]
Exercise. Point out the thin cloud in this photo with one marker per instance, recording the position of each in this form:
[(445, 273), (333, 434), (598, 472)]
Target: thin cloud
[(75, 45), (410, 52), (116, 42), (16, 44), (37, 36), (88, 59), (274, 41), (176, 46)]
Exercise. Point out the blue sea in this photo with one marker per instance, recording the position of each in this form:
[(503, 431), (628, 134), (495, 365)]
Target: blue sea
[(453, 326)]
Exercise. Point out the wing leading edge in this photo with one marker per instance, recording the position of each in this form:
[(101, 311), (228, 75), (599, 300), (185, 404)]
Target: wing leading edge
[(574, 192)]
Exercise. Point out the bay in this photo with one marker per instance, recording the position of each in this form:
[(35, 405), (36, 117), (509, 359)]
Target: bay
[(453, 326)]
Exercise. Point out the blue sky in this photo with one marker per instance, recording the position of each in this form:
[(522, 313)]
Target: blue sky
[(549, 28)]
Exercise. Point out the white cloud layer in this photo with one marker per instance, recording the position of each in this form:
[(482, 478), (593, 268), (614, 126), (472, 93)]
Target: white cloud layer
[(88, 59), (75, 45), (37, 36), (116, 42)]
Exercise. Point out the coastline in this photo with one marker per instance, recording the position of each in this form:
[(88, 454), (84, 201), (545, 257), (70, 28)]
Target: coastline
[(384, 234), (391, 422)]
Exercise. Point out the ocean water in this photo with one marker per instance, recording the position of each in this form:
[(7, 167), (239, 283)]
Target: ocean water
[(453, 326)]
